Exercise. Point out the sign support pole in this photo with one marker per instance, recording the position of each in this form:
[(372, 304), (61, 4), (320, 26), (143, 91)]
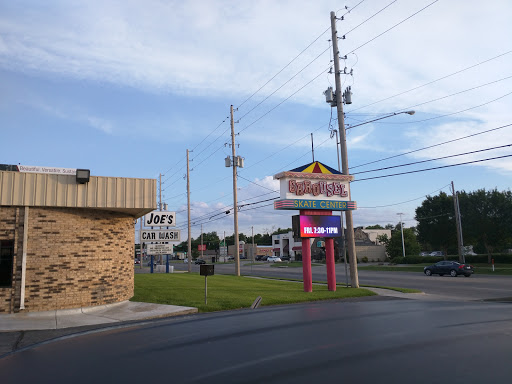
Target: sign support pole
[(329, 262), (205, 290), (306, 265)]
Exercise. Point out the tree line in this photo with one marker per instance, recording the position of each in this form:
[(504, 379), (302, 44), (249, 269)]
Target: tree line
[(486, 221), (213, 242)]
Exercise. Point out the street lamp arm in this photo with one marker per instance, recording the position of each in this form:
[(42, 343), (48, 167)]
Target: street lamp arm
[(380, 118)]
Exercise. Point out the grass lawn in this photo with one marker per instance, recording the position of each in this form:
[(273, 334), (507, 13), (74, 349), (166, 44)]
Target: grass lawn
[(484, 269), (292, 264), (229, 292)]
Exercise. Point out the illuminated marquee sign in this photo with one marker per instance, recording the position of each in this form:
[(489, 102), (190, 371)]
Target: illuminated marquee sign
[(315, 204), (320, 226), (301, 188)]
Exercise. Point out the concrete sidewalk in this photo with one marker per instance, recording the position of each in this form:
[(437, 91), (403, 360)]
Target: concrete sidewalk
[(105, 314)]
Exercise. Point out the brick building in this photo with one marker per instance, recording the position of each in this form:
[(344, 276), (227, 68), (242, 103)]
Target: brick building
[(66, 242)]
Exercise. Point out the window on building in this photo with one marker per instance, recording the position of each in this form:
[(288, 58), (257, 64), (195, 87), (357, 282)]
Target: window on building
[(6, 260), (276, 242)]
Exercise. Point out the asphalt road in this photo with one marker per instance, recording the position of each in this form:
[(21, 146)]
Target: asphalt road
[(367, 341), (476, 287)]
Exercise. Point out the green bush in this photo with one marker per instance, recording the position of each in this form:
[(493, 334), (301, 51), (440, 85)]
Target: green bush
[(364, 259)]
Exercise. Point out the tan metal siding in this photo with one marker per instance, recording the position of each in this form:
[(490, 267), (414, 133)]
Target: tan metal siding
[(134, 196)]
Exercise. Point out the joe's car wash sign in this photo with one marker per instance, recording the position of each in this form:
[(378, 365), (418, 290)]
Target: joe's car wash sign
[(159, 235), (160, 219), (314, 186)]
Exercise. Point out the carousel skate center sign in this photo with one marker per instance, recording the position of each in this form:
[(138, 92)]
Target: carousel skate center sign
[(301, 190), (331, 205)]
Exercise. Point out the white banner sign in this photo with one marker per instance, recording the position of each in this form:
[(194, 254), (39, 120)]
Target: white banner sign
[(160, 219), (52, 170), (159, 235), (159, 249)]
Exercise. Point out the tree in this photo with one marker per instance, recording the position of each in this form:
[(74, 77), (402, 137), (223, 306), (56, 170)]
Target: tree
[(436, 223), (383, 239), (281, 230), (486, 220), (394, 244), (485, 215), (376, 226)]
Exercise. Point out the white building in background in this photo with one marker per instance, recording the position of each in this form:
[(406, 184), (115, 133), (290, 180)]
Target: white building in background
[(374, 233), (285, 245)]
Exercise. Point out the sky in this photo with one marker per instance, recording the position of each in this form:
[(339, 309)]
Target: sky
[(124, 88)]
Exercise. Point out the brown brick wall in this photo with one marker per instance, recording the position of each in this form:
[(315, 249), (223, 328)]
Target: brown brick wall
[(75, 258)]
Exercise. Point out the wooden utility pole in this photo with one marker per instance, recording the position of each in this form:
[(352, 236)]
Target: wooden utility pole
[(189, 249), (160, 192), (235, 198), (354, 279), (457, 223)]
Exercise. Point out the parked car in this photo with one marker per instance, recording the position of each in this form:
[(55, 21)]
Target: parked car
[(137, 261), (185, 261), (285, 258), (451, 268), (261, 258), (424, 253), (274, 259), (199, 261), (437, 253), (149, 263)]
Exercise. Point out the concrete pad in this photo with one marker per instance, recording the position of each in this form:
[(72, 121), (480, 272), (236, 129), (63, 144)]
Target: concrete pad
[(28, 321), (105, 314)]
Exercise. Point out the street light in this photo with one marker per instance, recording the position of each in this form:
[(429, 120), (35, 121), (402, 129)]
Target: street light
[(383, 117), (338, 145), (402, 229)]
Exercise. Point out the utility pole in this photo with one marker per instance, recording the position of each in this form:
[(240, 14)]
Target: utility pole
[(457, 223), (354, 279), (312, 148), (235, 198), (160, 192), (189, 249), (341, 216), (202, 242), (402, 230)]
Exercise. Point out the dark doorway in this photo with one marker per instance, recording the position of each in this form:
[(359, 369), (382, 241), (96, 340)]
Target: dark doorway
[(6, 261)]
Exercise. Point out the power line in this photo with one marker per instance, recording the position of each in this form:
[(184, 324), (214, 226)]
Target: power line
[(434, 168), (407, 201), (455, 113), (430, 101), (457, 93), (290, 79), (297, 91), (434, 81), (434, 145), (435, 159), (394, 26), (295, 58), (286, 66), (257, 184), (371, 17)]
